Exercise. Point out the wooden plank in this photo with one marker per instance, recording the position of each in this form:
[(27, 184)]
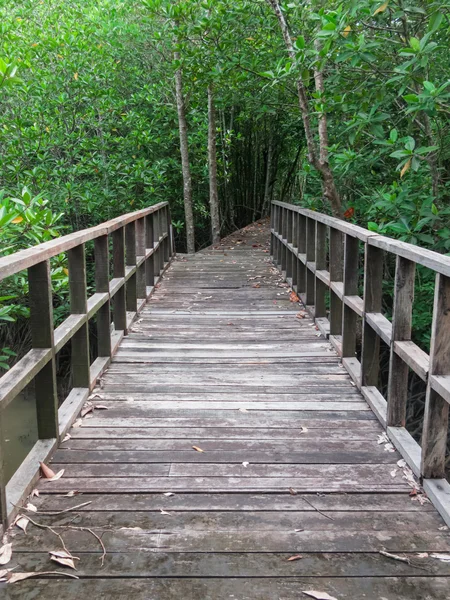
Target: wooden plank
[(414, 357), (401, 330), (42, 334), (435, 425), (381, 325), (80, 359), (373, 292)]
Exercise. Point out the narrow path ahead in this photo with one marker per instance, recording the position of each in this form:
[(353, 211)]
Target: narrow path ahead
[(228, 440)]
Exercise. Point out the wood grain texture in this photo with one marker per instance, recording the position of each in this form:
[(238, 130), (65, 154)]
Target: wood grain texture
[(233, 415)]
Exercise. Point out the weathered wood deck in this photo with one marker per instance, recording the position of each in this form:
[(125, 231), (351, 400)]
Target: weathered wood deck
[(233, 440)]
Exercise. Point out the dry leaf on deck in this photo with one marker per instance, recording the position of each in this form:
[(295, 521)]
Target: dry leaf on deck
[(169, 494), (86, 409), (243, 410), (46, 471), (292, 492), (22, 522), (293, 297), (296, 557), (77, 423), (197, 449), (15, 577), (58, 475), (30, 507), (62, 560), (67, 437), (164, 512), (301, 315), (5, 554), (100, 407), (34, 493), (319, 595), (71, 494), (441, 557), (245, 464)]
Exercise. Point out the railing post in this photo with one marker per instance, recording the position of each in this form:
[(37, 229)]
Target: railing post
[(130, 261), (3, 499), (435, 426), (167, 240), (161, 241), (294, 242), (283, 235), (336, 275), (272, 228), (310, 257), (401, 331), (279, 231), (321, 265), (119, 306), (373, 292), (101, 251), (41, 324), (141, 290), (78, 306), (351, 266), (301, 247), (150, 262), (289, 255)]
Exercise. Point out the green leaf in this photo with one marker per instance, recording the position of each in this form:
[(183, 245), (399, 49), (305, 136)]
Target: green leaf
[(393, 135), (435, 21), (414, 43)]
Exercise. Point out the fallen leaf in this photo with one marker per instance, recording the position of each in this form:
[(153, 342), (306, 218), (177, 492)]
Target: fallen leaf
[(245, 464), (422, 555), (67, 437), (46, 471), (298, 530), (401, 463), (394, 473), (292, 492), (62, 554), (58, 475), (87, 408), (243, 410), (30, 507), (71, 494), (443, 528), (304, 429), (22, 522), (15, 577), (197, 449), (34, 493), (296, 557), (66, 562), (77, 423), (301, 315), (164, 512), (100, 407), (169, 494), (5, 554), (319, 595), (441, 557)]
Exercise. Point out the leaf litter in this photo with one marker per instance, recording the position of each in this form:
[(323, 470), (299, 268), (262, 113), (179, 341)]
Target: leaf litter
[(5, 554)]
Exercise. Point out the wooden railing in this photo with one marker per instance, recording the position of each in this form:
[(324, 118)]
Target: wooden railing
[(142, 247), (320, 256)]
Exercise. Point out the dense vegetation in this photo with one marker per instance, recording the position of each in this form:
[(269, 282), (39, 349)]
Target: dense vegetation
[(340, 106)]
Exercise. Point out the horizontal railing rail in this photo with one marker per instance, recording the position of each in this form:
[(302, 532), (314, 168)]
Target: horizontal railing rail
[(142, 248), (320, 255)]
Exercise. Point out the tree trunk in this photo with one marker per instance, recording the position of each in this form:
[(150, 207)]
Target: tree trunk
[(317, 157), (212, 164), (186, 168)]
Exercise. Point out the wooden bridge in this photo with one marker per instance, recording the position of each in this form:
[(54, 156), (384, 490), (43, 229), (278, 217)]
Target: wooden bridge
[(226, 448)]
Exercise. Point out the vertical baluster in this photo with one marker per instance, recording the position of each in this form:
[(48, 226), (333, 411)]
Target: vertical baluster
[(283, 235), (401, 331), (119, 305), (101, 251), (141, 291), (272, 227), (373, 292), (321, 265), (280, 233), (3, 500), (295, 216), (351, 266), (130, 261), (336, 275), (435, 426), (161, 242), (310, 257), (42, 336), (150, 262), (78, 306), (301, 246), (167, 245), (289, 255), (156, 234)]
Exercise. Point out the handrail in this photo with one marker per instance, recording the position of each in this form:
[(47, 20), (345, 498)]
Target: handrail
[(142, 248), (319, 254)]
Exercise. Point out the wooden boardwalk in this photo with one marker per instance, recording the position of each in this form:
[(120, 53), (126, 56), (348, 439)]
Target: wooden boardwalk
[(233, 440)]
